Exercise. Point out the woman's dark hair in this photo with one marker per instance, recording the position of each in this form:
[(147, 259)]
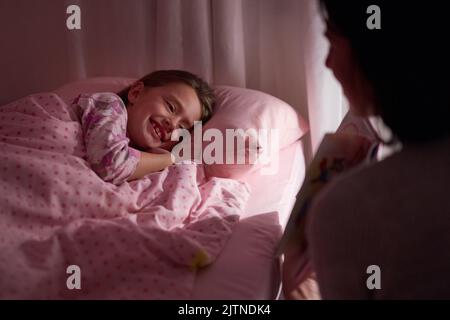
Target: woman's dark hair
[(406, 61), (163, 77)]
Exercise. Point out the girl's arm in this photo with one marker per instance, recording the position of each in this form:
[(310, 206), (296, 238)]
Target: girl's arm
[(103, 120), (151, 162)]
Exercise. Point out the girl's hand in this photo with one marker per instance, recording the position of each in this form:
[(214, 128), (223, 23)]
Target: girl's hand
[(152, 162), (168, 145), (157, 150)]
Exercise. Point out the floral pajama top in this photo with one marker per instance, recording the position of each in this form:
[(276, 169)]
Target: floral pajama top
[(103, 118)]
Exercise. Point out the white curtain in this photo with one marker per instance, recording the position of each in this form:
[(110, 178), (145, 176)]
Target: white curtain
[(276, 46)]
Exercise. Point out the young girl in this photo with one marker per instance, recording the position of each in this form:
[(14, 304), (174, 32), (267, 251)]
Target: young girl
[(126, 133)]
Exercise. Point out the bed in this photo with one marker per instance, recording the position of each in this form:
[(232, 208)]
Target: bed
[(244, 266)]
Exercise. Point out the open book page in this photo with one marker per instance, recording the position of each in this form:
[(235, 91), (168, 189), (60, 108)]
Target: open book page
[(353, 144)]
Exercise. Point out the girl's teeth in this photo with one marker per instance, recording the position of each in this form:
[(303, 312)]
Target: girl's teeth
[(158, 132)]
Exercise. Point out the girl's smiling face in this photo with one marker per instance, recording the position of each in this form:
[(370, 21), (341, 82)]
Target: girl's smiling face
[(154, 112)]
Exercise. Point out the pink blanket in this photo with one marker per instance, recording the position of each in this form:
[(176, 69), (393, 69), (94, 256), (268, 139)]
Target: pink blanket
[(139, 240)]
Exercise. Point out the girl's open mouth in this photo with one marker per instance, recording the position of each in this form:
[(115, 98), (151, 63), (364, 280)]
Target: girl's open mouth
[(157, 130)]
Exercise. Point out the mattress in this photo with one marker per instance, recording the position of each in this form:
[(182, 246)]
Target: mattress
[(247, 267)]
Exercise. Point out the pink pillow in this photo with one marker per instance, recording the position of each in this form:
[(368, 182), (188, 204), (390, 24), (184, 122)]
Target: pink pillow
[(240, 108), (236, 108)]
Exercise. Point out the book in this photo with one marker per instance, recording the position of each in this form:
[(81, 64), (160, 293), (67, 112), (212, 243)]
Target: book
[(354, 143)]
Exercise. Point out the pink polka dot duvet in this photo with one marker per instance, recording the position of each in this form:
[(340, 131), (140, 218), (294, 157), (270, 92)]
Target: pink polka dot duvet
[(67, 234)]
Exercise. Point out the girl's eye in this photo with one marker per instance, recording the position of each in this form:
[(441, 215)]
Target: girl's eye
[(170, 106)]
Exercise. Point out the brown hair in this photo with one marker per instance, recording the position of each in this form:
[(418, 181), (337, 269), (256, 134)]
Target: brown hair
[(163, 77), (406, 62)]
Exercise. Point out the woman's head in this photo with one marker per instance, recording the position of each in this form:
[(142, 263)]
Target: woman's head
[(163, 101), (400, 71)]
